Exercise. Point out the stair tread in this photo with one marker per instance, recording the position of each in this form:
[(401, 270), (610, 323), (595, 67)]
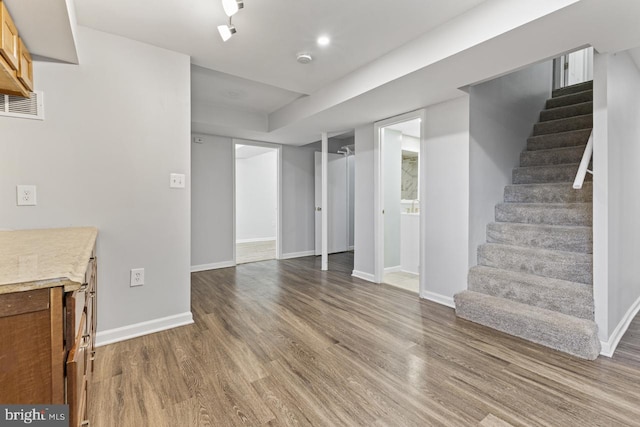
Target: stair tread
[(549, 227), (563, 296), (562, 332), (539, 251), (568, 138), (574, 88)]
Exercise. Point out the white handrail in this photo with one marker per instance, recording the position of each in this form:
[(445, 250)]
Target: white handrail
[(584, 164)]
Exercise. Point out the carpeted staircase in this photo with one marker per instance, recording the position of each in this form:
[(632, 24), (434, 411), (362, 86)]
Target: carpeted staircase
[(534, 275)]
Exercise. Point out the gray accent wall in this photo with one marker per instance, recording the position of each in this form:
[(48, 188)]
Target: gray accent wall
[(298, 199), (212, 201), (502, 112), (364, 228), (115, 128)]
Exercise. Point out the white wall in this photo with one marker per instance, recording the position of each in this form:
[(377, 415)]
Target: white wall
[(116, 126), (256, 197), (392, 179), (212, 202), (445, 191), (502, 114), (616, 183), (364, 256)]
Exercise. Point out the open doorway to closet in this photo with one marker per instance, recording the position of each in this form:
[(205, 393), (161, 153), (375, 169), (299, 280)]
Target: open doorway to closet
[(398, 226), (256, 202)]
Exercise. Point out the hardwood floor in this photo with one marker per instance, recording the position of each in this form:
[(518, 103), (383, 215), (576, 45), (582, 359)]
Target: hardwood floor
[(281, 343)]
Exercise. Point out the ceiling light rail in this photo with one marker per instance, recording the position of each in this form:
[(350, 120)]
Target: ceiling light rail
[(231, 7)]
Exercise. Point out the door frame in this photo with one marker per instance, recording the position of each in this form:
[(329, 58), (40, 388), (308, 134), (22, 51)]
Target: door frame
[(378, 191), (278, 148)]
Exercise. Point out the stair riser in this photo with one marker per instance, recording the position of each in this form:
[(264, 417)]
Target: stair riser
[(578, 337), (560, 140), (572, 299), (552, 157), (552, 215), (563, 125), (580, 87), (575, 98), (571, 239), (546, 174), (558, 265), (568, 111)]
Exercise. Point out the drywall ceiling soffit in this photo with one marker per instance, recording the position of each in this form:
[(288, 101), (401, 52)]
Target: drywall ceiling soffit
[(271, 33), (249, 151), (214, 87), (47, 27)]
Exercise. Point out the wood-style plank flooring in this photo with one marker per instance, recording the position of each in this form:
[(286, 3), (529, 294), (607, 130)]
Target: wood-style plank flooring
[(281, 343)]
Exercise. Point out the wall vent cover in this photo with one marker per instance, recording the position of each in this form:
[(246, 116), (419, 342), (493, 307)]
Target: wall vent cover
[(25, 108)]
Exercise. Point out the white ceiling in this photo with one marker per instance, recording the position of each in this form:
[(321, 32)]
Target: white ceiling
[(271, 33), (248, 151), (410, 127), (386, 58)]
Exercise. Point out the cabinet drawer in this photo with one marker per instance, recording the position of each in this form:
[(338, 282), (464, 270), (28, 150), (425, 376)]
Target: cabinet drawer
[(76, 376), (9, 45), (24, 302)]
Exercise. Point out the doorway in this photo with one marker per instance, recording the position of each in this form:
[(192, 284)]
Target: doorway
[(256, 202), (398, 227)]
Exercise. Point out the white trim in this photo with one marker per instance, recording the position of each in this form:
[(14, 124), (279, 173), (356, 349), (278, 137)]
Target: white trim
[(440, 299), (324, 204), (415, 273), (259, 239), (214, 266), (378, 193), (350, 248), (395, 269), (143, 328), (609, 347), (298, 254), (364, 276)]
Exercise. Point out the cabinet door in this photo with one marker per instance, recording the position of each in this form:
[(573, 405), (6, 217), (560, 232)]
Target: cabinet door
[(25, 71), (76, 376), (9, 47)]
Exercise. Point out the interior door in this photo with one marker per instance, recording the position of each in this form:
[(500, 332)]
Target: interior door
[(337, 189)]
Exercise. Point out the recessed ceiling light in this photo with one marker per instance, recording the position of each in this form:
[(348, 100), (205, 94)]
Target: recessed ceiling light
[(324, 41)]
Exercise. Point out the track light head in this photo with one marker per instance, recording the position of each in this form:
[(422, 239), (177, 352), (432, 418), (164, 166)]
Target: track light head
[(231, 7), (226, 31)]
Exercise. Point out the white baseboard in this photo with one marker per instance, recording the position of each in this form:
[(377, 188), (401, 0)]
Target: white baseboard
[(351, 247), (214, 266), (297, 254), (394, 269), (415, 273), (364, 276), (440, 299), (609, 347), (259, 239), (143, 328)]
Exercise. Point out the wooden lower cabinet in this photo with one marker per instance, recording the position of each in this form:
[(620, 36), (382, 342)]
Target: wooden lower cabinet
[(47, 341)]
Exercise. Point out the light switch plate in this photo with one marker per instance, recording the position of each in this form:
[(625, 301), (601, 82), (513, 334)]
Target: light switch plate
[(26, 195), (176, 180)]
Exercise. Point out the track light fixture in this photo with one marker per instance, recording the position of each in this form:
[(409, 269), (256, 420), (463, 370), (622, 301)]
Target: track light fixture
[(226, 31), (231, 7)]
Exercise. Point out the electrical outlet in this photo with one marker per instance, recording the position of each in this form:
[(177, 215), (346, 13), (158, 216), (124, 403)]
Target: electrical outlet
[(26, 195), (137, 277), (176, 180)]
